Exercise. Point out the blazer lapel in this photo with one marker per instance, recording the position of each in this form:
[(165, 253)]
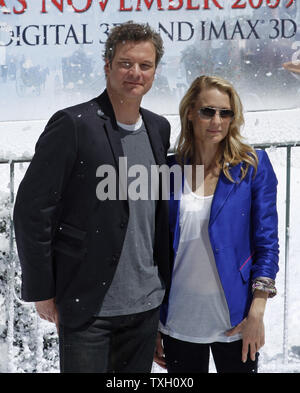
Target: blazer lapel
[(106, 113), (223, 190), (154, 137)]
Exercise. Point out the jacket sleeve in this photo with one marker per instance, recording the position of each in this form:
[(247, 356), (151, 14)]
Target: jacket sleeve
[(264, 220), (38, 203), (166, 135)]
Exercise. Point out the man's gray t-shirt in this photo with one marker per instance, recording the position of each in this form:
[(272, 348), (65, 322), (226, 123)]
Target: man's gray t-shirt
[(136, 286)]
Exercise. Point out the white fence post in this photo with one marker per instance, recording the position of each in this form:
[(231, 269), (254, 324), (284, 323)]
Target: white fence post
[(287, 246)]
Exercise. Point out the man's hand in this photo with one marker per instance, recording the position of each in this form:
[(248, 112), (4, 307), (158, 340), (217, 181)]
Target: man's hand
[(47, 310), (159, 356)]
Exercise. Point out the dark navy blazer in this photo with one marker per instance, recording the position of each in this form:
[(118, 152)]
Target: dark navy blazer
[(69, 242), (243, 231)]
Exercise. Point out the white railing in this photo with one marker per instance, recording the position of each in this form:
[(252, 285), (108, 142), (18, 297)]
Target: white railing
[(13, 266)]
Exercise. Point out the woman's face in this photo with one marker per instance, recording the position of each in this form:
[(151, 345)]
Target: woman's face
[(210, 130)]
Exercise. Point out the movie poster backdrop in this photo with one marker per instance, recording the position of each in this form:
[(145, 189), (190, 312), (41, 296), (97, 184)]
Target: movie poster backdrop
[(51, 51)]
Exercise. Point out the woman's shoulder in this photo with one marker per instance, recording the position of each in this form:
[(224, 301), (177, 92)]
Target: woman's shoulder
[(261, 153), (263, 158), (264, 168)]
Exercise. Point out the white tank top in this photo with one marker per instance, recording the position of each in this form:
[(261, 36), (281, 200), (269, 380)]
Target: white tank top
[(198, 310)]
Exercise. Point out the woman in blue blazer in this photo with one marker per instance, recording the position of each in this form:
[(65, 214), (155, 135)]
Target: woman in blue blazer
[(225, 239)]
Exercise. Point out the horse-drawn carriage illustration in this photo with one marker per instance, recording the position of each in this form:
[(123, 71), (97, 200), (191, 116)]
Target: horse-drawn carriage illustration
[(78, 71), (30, 78)]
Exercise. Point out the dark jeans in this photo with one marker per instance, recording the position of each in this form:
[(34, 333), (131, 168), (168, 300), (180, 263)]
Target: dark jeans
[(186, 357), (122, 344)]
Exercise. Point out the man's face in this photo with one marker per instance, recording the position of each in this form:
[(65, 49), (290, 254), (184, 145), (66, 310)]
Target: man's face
[(132, 70)]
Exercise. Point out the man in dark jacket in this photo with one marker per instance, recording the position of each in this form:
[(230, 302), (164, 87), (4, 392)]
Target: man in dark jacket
[(98, 267)]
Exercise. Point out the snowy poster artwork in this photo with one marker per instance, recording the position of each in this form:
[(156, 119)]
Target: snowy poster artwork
[(51, 51), (51, 57)]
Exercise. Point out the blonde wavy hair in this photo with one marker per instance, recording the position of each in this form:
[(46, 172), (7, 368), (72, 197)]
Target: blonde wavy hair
[(234, 150)]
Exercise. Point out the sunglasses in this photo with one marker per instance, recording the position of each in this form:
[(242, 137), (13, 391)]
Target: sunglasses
[(210, 112)]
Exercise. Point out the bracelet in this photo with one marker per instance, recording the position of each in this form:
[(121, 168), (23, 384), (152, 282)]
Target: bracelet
[(264, 284)]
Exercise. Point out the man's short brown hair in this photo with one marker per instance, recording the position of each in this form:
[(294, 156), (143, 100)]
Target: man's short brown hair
[(135, 32)]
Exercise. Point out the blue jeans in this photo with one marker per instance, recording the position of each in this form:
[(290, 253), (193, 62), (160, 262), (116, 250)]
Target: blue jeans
[(121, 344), (187, 357)]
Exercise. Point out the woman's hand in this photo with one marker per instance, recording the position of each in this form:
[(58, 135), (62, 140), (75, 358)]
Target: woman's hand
[(253, 334), (252, 328), (159, 355)]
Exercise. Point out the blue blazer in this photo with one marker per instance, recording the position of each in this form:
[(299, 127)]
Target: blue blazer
[(243, 231)]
